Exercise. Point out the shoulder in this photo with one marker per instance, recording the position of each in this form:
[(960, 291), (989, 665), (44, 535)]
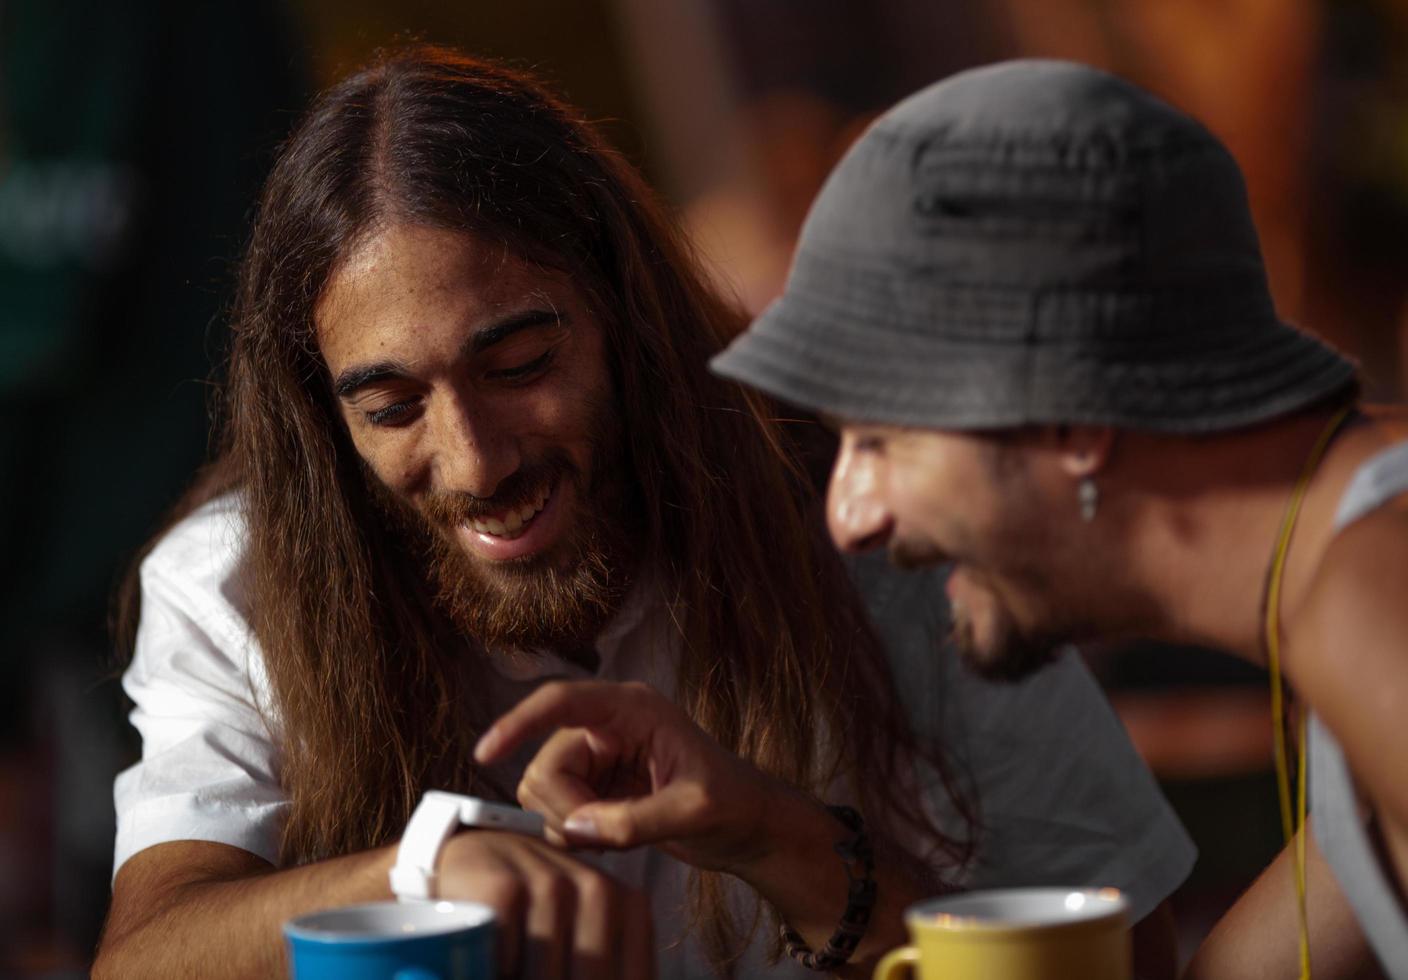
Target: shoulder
[(1364, 567), (204, 550), (1360, 585), (211, 537), (1347, 650), (1349, 636), (196, 573)]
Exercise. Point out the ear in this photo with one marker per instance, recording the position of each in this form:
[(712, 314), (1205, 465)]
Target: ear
[(1084, 450)]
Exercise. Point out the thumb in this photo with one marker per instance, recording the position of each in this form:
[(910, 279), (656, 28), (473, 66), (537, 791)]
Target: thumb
[(620, 824)]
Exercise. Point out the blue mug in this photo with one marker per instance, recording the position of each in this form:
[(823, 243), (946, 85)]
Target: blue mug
[(393, 941)]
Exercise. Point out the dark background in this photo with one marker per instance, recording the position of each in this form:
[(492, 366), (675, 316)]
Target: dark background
[(133, 139)]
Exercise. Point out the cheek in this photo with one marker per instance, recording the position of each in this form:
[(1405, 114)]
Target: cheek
[(392, 458), (561, 415), (571, 416), (918, 496)]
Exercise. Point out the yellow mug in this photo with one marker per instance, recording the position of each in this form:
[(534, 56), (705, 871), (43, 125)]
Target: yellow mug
[(1015, 934)]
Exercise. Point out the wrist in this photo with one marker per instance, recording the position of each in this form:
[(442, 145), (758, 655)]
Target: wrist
[(377, 871), (858, 859), (793, 842)]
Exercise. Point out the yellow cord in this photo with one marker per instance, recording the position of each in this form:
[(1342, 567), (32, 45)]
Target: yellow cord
[(1290, 825)]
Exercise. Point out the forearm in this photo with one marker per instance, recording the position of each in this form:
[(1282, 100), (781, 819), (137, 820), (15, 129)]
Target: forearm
[(1259, 935), (804, 879), (222, 924)]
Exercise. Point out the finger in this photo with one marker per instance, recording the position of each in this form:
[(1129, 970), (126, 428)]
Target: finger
[(548, 923), (568, 704), (637, 937), (503, 891), (552, 826), (597, 929), (551, 834), (530, 804), (599, 911), (558, 780), (673, 812)]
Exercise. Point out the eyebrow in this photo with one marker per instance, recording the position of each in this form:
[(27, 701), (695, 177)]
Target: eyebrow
[(355, 378), (497, 332)]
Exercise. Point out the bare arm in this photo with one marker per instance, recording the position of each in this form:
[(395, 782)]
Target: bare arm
[(1349, 653), (1258, 937), (194, 908), (1349, 659)]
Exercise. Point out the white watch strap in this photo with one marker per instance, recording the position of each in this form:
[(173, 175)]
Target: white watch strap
[(436, 817)]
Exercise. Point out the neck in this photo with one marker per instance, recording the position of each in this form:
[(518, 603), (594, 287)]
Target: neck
[(1204, 521)]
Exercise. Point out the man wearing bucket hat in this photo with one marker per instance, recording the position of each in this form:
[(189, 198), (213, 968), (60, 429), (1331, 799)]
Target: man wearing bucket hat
[(1032, 300)]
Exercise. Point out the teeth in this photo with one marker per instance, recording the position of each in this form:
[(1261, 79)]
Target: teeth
[(513, 522)]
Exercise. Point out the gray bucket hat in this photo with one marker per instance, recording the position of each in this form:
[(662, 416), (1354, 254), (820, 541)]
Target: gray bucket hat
[(1034, 242)]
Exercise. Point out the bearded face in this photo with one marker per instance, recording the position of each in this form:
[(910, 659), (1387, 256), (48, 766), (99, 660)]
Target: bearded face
[(475, 389), (977, 503)]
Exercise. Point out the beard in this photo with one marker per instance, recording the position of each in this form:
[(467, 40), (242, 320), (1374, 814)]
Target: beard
[(1011, 653), (558, 599)]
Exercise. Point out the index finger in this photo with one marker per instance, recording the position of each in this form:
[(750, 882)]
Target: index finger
[(562, 704)]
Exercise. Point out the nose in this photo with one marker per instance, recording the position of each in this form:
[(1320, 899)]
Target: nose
[(856, 513), (475, 449)]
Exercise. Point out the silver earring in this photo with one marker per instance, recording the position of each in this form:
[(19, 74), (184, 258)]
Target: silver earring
[(1089, 496)]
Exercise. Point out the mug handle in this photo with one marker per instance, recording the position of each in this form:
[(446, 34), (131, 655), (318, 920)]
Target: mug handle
[(898, 962), (415, 973)]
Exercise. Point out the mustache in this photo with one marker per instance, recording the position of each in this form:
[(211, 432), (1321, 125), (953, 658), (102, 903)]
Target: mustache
[(910, 555), (452, 508)]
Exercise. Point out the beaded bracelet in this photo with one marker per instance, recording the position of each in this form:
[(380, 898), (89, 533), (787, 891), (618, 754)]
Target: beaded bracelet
[(860, 900)]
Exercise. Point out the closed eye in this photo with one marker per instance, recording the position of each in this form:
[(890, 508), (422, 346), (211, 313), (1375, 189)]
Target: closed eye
[(400, 413), (522, 372)]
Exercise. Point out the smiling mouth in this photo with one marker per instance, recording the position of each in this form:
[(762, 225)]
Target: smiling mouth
[(514, 522)]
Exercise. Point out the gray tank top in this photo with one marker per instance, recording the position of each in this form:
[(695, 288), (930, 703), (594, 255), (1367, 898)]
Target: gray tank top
[(1340, 827)]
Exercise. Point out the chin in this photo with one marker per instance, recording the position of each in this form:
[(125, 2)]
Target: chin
[(1006, 653), (1011, 668)]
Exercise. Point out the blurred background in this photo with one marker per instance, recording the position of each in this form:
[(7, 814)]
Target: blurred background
[(133, 139)]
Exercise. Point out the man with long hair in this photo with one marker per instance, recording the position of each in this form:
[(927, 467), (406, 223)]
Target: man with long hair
[(470, 445)]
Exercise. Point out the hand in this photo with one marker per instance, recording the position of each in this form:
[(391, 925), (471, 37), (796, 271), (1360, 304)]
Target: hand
[(557, 917), (626, 767)]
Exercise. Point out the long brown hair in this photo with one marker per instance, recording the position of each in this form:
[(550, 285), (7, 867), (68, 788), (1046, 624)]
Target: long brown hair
[(371, 691)]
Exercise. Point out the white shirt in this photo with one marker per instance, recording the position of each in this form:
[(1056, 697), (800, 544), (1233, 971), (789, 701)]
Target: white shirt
[(1062, 796)]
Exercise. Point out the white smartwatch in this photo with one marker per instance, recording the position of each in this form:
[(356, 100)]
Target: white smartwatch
[(436, 817)]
